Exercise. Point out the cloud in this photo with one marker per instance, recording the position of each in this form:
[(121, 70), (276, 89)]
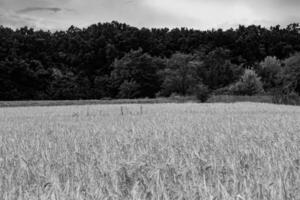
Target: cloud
[(34, 9), (200, 14), (14, 20), (225, 14)]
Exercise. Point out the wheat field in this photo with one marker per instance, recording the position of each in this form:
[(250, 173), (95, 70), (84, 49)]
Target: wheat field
[(241, 151)]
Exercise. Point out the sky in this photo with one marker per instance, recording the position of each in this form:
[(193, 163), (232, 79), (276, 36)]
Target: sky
[(197, 14)]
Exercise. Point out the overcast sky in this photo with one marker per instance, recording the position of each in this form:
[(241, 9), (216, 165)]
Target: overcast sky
[(199, 14)]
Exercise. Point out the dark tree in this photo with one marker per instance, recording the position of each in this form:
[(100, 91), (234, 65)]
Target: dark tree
[(179, 75), (136, 73), (84, 63), (217, 71)]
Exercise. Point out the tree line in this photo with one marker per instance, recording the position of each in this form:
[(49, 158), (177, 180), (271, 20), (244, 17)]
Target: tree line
[(115, 60)]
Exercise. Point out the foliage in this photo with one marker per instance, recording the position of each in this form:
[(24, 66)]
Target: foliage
[(216, 70), (202, 92), (285, 96), (291, 76), (179, 75), (270, 72), (128, 90), (138, 71), (249, 84), (87, 63)]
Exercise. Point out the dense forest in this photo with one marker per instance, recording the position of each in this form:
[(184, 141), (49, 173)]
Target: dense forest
[(115, 60)]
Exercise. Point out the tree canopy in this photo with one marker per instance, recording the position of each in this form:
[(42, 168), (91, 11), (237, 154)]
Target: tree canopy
[(116, 60)]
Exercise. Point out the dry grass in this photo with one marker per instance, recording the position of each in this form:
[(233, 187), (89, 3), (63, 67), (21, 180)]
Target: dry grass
[(242, 151), (175, 99)]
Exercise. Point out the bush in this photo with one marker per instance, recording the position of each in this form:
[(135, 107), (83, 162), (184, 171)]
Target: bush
[(128, 90), (291, 75), (222, 91), (250, 84), (270, 72), (285, 96), (202, 92)]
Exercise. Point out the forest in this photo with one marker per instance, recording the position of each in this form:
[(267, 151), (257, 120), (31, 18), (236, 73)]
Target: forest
[(115, 60)]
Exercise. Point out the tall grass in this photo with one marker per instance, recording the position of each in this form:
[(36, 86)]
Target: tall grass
[(242, 151)]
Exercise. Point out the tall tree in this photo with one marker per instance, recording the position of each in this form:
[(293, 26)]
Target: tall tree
[(270, 72), (136, 70), (217, 71), (179, 75), (249, 84), (292, 73)]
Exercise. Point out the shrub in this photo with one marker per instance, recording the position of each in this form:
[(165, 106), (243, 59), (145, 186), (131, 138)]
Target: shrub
[(202, 92), (285, 96), (249, 84), (128, 90), (223, 91), (270, 71), (291, 75)]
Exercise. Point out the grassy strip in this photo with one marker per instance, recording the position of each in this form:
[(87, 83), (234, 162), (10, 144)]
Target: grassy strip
[(233, 99), (176, 99), (95, 102)]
